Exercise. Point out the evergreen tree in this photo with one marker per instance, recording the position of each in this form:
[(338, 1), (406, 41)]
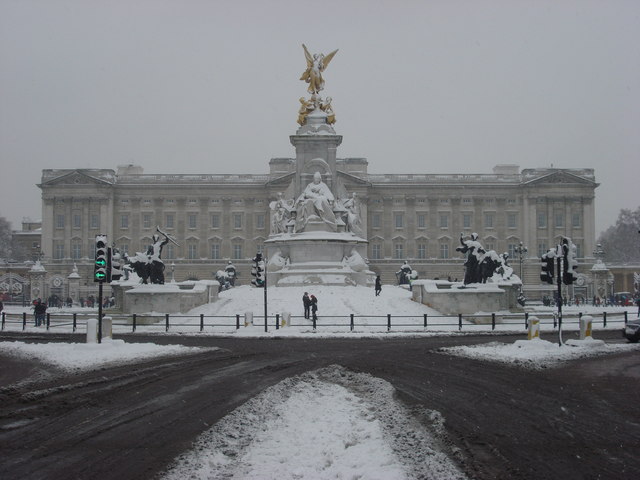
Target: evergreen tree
[(621, 241)]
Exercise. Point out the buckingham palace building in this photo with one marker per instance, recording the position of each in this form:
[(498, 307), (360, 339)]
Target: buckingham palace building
[(219, 218)]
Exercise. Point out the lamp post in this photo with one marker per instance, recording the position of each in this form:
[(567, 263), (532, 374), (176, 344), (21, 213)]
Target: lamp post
[(521, 250)]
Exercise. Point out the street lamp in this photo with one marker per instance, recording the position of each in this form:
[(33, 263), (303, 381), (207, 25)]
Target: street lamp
[(521, 250)]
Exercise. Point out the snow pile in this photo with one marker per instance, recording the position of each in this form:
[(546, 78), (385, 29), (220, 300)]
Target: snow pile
[(86, 356), (327, 424), (537, 353)]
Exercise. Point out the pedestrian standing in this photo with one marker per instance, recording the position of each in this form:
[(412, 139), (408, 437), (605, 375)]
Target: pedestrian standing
[(378, 285), (314, 306), (40, 311), (306, 302)]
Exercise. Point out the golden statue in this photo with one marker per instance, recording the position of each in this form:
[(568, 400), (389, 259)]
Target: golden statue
[(316, 64)]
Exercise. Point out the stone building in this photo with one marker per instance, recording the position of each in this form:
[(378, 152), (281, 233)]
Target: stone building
[(415, 217)]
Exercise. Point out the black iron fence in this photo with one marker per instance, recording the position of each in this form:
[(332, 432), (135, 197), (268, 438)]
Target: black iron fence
[(349, 322)]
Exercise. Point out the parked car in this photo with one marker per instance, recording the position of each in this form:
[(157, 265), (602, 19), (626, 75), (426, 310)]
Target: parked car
[(632, 331)]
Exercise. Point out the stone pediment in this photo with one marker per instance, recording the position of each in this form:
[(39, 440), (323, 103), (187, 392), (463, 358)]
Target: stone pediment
[(77, 177), (560, 176)]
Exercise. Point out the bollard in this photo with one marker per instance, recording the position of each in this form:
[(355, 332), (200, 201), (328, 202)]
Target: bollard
[(526, 320), (586, 322), (201, 321), (24, 320), (533, 329), (107, 328), (286, 319), (425, 321), (625, 318), (134, 321), (493, 321), (3, 320), (388, 322), (49, 321), (75, 322), (459, 321), (351, 324), (237, 321), (604, 319), (166, 321), (92, 330), (277, 321), (248, 319)]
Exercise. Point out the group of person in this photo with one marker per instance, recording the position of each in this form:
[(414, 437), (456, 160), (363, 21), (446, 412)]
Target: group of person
[(310, 303)]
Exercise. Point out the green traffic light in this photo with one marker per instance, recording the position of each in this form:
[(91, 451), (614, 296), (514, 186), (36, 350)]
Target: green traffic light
[(100, 275), (101, 262)]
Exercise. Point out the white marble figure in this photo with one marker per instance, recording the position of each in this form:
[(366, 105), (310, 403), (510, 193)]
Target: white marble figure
[(316, 201), (355, 261), (353, 218), (280, 215)]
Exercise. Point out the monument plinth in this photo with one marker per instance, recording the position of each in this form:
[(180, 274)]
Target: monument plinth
[(316, 226)]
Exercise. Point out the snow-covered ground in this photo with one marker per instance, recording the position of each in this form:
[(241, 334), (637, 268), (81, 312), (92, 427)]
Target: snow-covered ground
[(330, 423), (335, 305), (326, 424), (87, 356), (537, 354)]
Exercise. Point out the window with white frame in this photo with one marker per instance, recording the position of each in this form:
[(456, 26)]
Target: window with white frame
[(237, 251), (376, 251), (260, 221), (237, 222), (422, 251), (399, 219), (398, 250), (193, 220), (146, 220), (422, 220), (215, 251), (169, 220), (444, 250), (124, 221), (192, 251), (512, 220), (488, 220)]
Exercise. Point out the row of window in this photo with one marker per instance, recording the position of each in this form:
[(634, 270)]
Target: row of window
[(559, 219), (444, 250), (237, 220), (169, 252), (443, 220), (467, 220)]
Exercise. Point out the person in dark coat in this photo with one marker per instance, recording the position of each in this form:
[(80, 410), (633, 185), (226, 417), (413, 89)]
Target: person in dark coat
[(378, 285), (314, 306), (306, 301)]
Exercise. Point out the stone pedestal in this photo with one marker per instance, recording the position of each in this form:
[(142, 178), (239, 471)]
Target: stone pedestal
[(317, 258)]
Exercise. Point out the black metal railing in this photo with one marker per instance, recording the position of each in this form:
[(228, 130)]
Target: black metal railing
[(348, 322)]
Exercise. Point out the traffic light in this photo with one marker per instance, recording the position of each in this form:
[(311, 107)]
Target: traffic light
[(102, 259), (114, 270), (569, 262), (257, 271), (546, 275)]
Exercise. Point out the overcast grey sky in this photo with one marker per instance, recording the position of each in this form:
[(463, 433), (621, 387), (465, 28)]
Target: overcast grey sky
[(418, 87)]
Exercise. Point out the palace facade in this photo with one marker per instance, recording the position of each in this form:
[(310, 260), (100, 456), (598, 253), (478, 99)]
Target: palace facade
[(217, 218)]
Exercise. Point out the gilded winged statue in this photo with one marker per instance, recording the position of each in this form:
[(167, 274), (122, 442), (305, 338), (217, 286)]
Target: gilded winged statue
[(316, 64)]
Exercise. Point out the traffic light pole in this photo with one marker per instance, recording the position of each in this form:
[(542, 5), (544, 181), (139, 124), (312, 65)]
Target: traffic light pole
[(559, 270), (265, 295), (100, 312)]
